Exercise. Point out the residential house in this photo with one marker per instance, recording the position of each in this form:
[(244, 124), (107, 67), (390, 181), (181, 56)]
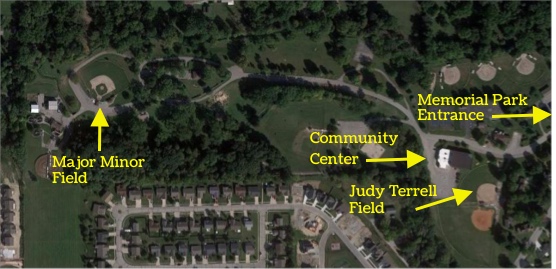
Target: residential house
[(135, 251), (221, 225), (279, 262), (102, 223), (214, 191), (201, 191), (331, 202), (167, 226), (221, 248), (321, 196), (154, 250), (7, 240), (169, 250), (282, 234), (279, 248), (235, 225), (195, 226), (188, 193), (161, 192), (309, 192), (102, 251), (99, 209), (136, 240), (182, 249), (227, 191), (248, 223), (8, 204), (8, 216), (208, 224), (234, 248), (148, 193), (182, 225), (135, 227), (121, 190), (240, 191), (102, 237), (8, 228), (271, 191), (278, 221), (209, 250), (134, 194), (175, 193), (196, 251), (284, 190), (154, 226), (254, 190), (249, 248)]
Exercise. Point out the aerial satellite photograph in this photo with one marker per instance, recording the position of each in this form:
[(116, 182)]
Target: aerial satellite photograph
[(275, 134)]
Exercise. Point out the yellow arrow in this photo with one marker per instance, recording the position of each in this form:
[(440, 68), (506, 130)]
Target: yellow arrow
[(459, 195), (537, 115), (99, 121), (412, 159)]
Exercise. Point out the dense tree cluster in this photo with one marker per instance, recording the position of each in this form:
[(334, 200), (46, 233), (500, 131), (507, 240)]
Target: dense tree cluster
[(189, 143), (280, 94), (39, 32), (482, 29)]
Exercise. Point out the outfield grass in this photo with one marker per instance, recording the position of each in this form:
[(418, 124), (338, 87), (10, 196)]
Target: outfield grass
[(471, 247), (342, 258), (113, 66)]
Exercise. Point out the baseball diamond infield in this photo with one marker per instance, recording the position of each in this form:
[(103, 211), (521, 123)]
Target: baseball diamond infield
[(103, 80), (451, 74), (486, 193), (482, 219), (525, 66), (486, 72)]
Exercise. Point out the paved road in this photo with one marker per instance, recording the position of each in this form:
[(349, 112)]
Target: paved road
[(120, 213)]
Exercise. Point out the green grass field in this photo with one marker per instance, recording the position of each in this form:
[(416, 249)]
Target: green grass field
[(471, 247), (50, 222), (46, 86), (342, 258), (51, 226), (402, 10), (110, 65), (299, 51)]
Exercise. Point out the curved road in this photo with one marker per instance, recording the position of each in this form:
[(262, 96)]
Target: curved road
[(120, 213)]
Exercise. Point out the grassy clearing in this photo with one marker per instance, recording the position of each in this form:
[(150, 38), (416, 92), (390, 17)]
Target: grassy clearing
[(342, 258), (303, 53), (471, 247), (46, 86), (402, 10), (50, 223)]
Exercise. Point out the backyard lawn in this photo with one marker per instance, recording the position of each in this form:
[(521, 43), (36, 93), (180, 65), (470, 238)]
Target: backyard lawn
[(342, 258)]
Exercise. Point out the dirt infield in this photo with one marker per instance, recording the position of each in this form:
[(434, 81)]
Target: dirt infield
[(486, 72), (486, 193), (482, 219), (451, 74), (103, 80), (43, 166), (525, 66)]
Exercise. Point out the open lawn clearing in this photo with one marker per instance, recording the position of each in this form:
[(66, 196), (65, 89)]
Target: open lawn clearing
[(307, 57), (51, 224), (49, 87), (113, 66), (475, 178), (402, 11), (342, 258), (160, 4)]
